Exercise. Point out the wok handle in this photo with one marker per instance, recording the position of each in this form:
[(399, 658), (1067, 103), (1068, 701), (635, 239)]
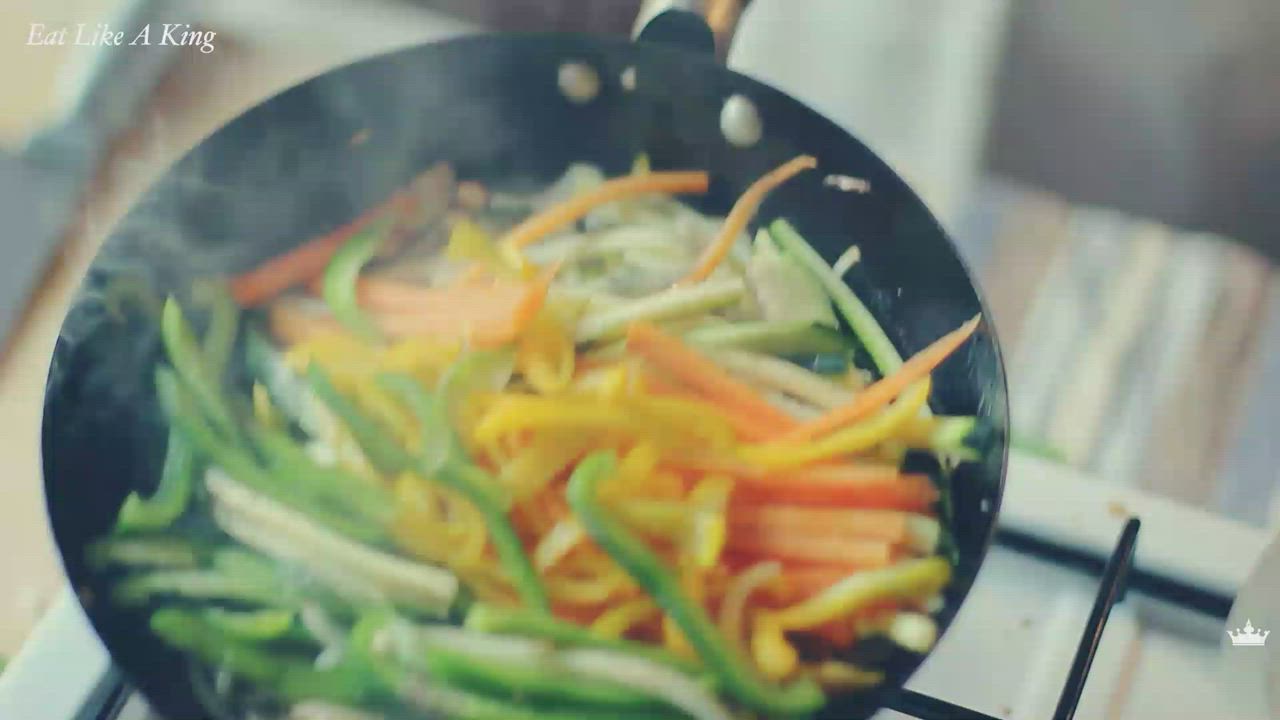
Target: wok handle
[(699, 25)]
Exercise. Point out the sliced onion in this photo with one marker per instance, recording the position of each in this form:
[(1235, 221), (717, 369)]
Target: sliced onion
[(847, 260), (272, 528), (672, 686)]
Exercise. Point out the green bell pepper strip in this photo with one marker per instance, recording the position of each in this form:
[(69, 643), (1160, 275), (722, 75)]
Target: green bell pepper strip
[(290, 674), (224, 324), (253, 625), (330, 485), (861, 321), (338, 287), (736, 676), (189, 362), (171, 497), (242, 466), (515, 621), (473, 483), (199, 584), (177, 479), (156, 552), (377, 444)]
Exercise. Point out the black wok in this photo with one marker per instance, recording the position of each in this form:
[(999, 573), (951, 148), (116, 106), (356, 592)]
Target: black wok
[(286, 170)]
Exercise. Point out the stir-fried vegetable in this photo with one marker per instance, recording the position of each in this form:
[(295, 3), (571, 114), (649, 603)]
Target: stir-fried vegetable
[(648, 570), (634, 457), (742, 212)]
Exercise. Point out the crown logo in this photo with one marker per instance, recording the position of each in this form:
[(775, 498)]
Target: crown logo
[(1249, 636)]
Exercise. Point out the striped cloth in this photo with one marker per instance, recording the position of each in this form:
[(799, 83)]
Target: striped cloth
[(1142, 354)]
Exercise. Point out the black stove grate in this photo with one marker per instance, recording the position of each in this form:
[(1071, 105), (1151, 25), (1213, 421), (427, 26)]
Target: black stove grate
[(1117, 575)]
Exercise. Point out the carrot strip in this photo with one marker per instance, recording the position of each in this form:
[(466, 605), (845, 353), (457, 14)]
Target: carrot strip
[(810, 548), (837, 633), (743, 210), (680, 361), (744, 426), (881, 392), (488, 316), (557, 216), (306, 261), (889, 526), (849, 486)]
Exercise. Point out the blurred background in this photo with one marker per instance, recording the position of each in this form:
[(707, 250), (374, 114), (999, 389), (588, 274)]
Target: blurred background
[(1108, 167)]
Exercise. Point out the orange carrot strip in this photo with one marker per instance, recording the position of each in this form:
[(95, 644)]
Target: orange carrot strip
[(557, 216), (810, 548), (889, 526), (837, 633), (702, 375), (881, 392), (743, 210), (488, 316), (849, 486), (306, 261), (746, 427)]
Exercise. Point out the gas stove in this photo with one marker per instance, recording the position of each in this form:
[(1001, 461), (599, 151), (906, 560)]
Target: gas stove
[(1095, 602)]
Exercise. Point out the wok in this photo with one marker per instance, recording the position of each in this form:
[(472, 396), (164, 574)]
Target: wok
[(287, 170)]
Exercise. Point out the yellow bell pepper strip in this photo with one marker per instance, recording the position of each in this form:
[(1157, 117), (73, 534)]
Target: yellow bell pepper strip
[(617, 620), (857, 438), (709, 501), (487, 618), (945, 435), (667, 421), (536, 464), (736, 675), (545, 354), (468, 242), (907, 580), (342, 274), (473, 483)]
